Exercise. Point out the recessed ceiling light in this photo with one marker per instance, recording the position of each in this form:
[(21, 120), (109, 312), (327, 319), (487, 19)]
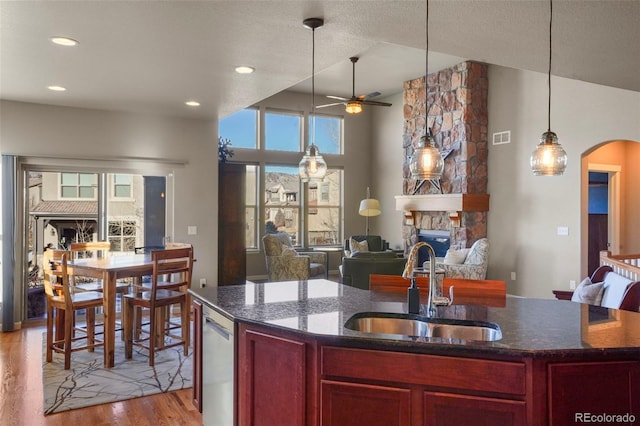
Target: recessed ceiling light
[(243, 69), (64, 41), (57, 88), (192, 103)]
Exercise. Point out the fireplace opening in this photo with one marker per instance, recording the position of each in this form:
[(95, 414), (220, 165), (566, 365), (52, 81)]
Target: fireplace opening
[(439, 240)]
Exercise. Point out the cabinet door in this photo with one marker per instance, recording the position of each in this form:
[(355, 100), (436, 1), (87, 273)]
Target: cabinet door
[(445, 409), (231, 224), (355, 404), (591, 388), (272, 380), (197, 354)]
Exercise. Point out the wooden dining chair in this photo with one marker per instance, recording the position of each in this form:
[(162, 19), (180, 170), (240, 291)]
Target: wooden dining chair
[(69, 302), (92, 250), (168, 265)]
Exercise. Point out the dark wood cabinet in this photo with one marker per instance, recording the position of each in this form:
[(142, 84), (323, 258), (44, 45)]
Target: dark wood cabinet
[(355, 404), (231, 224), (289, 378), (578, 389), (448, 409), (272, 380)]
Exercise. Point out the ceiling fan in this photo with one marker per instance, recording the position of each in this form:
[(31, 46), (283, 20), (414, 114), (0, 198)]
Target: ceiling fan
[(355, 103)]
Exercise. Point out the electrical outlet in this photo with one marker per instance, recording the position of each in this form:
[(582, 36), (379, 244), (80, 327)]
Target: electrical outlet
[(192, 230), (203, 282), (513, 276), (572, 284)]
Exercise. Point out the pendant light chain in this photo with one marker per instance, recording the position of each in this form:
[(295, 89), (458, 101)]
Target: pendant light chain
[(313, 86), (426, 76), (549, 72)]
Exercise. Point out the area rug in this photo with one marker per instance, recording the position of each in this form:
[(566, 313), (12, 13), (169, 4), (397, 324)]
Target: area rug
[(88, 383)]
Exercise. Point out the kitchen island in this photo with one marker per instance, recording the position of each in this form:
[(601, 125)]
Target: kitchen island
[(558, 362)]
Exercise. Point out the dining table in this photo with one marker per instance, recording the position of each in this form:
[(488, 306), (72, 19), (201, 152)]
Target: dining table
[(110, 269)]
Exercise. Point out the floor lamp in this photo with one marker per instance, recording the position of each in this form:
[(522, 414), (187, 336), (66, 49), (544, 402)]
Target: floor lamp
[(369, 207)]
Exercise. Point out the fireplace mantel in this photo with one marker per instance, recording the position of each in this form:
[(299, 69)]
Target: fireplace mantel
[(443, 203)]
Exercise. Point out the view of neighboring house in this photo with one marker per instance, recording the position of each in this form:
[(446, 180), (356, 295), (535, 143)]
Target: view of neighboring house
[(63, 209), (282, 206)]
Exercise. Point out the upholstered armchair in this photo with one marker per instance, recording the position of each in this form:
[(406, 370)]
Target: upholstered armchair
[(284, 263), (468, 263)]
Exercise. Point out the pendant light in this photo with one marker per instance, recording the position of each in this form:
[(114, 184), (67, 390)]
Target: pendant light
[(426, 161), (312, 167), (549, 158)]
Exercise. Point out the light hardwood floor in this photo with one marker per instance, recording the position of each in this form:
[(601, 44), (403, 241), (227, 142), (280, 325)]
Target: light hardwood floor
[(21, 393)]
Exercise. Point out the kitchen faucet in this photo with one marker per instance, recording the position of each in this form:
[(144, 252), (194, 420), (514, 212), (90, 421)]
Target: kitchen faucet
[(413, 293)]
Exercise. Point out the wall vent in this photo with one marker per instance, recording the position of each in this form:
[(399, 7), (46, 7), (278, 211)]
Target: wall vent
[(500, 138)]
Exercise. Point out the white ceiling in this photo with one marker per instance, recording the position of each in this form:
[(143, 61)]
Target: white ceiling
[(151, 56)]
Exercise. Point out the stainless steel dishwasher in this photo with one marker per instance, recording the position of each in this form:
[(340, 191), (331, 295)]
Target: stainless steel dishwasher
[(217, 369)]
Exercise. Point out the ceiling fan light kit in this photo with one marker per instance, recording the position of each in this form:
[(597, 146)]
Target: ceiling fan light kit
[(355, 104), (354, 107)]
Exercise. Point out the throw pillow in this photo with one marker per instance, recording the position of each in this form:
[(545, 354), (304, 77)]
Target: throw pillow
[(455, 257), (288, 251), (358, 245), (588, 292)]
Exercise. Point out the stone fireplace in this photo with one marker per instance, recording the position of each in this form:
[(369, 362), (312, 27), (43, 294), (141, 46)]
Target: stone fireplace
[(458, 118)]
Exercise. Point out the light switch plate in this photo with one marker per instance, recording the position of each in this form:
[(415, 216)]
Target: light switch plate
[(192, 230), (563, 230)]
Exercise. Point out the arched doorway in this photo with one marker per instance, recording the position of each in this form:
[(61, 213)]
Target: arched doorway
[(610, 201)]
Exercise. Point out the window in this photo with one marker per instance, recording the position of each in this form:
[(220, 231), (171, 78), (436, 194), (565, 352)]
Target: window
[(78, 185), (282, 131), (241, 128), (122, 235), (328, 131), (121, 186), (275, 199), (324, 216), (282, 209), (251, 206)]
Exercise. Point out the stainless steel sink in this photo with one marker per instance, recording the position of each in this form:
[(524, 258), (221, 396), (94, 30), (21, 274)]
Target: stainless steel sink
[(420, 326)]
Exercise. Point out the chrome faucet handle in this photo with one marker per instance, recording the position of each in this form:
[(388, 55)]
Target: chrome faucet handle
[(443, 300)]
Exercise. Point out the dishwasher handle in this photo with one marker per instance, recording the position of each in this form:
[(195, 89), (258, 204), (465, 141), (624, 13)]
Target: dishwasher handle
[(218, 328)]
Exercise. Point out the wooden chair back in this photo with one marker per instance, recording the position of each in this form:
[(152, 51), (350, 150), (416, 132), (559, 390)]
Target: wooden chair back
[(50, 273), (93, 249), (466, 291), (171, 264)]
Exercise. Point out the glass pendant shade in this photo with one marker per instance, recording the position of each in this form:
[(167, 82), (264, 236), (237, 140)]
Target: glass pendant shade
[(549, 158), (354, 107), (312, 167), (426, 161)]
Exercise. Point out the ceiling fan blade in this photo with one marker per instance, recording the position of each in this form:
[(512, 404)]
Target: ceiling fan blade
[(330, 105), (339, 98), (376, 103), (369, 96)]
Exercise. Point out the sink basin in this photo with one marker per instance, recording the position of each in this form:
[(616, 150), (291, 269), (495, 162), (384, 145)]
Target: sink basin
[(420, 326)]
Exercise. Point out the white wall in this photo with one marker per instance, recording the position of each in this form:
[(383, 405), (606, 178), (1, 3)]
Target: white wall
[(121, 138), (526, 210), (386, 168)]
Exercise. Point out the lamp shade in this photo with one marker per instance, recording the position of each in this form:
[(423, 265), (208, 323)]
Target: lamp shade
[(369, 207), (354, 107), (312, 167), (549, 158), (426, 161)]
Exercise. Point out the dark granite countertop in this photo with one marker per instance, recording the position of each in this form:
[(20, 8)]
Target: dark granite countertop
[(534, 327)]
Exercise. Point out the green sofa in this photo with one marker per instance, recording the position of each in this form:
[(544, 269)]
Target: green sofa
[(378, 260)]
